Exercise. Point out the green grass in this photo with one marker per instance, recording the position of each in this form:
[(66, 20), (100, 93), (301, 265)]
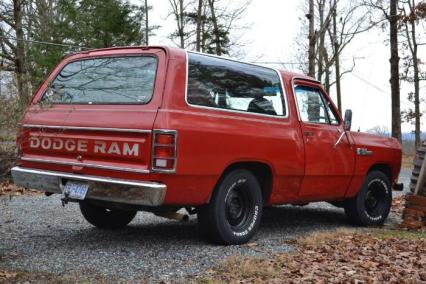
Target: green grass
[(398, 234)]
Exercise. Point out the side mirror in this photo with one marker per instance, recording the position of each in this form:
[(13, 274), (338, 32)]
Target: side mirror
[(348, 120)]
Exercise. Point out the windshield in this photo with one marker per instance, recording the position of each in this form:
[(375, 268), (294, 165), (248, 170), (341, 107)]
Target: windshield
[(111, 80)]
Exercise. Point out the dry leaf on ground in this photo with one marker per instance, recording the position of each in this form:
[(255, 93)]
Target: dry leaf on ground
[(7, 187), (337, 257)]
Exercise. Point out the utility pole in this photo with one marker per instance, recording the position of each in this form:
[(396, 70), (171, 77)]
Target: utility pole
[(146, 24)]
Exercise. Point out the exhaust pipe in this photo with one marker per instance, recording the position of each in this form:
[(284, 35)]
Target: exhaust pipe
[(173, 216)]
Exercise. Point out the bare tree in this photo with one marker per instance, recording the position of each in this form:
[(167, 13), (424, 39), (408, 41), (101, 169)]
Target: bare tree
[(147, 29), (336, 47), (312, 38), (341, 32), (179, 10), (206, 25), (13, 45), (336, 25), (413, 11), (394, 62), (199, 25)]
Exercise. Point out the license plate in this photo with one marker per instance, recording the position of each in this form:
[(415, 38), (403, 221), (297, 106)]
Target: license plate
[(76, 190)]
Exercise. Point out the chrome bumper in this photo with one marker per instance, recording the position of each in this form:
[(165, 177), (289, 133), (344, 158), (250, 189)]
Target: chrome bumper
[(100, 188)]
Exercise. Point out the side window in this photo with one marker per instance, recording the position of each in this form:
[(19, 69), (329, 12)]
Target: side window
[(311, 105), (221, 83)]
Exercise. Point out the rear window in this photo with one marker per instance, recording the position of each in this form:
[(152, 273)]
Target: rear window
[(108, 80), (221, 83)]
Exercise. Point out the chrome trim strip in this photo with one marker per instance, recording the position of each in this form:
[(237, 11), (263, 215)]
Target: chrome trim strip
[(232, 110), (49, 161), (224, 116), (364, 152), (85, 128), (293, 87), (132, 192)]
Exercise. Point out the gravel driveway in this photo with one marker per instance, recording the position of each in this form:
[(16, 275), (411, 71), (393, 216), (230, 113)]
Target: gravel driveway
[(38, 234)]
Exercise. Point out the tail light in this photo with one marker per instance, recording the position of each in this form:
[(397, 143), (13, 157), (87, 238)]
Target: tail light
[(164, 151)]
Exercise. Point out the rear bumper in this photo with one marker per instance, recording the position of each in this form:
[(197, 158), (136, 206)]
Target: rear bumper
[(100, 188)]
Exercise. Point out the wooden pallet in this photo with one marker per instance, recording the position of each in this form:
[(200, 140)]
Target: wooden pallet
[(414, 215)]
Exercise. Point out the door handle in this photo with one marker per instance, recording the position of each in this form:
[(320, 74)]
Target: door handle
[(308, 133)]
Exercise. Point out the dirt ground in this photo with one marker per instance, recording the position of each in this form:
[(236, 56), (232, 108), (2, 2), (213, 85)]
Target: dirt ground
[(319, 248)]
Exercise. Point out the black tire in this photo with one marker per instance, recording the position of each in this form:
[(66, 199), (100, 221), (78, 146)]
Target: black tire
[(371, 206), (233, 214), (418, 160), (105, 218)]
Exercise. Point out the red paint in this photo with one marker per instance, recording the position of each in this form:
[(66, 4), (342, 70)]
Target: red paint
[(305, 166)]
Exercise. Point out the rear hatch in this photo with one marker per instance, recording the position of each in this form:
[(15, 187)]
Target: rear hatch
[(95, 113)]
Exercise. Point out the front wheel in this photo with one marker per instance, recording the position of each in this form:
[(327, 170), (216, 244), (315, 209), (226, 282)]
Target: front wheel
[(105, 218), (233, 215), (372, 204)]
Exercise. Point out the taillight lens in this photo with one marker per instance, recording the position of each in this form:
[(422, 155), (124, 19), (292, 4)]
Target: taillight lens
[(164, 150)]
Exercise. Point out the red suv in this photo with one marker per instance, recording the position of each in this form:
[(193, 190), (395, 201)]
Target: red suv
[(159, 129)]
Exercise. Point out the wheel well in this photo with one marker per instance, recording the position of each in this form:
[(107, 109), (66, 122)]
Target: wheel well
[(382, 168), (262, 172)]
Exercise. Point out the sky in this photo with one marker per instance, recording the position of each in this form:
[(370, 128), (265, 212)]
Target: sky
[(271, 37)]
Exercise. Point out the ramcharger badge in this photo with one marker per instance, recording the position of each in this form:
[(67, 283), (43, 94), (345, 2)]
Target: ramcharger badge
[(84, 146)]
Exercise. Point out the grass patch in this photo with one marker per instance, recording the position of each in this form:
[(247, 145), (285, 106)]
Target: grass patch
[(21, 276), (398, 234), (407, 161), (320, 238)]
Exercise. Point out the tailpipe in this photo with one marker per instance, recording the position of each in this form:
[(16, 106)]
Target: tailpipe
[(173, 216)]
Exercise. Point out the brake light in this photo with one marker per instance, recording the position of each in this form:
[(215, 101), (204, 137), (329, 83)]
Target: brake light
[(164, 151)]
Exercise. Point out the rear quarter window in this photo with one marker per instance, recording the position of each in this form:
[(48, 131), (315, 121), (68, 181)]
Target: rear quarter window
[(108, 80), (226, 84)]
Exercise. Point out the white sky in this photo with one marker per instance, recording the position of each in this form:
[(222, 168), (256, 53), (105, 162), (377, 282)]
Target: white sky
[(274, 25)]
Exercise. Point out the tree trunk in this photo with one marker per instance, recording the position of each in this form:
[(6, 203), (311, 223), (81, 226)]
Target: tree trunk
[(20, 64), (181, 24), (203, 30), (312, 39), (327, 79), (199, 25), (337, 61), (416, 85), (146, 23), (216, 34), (394, 69), (321, 47)]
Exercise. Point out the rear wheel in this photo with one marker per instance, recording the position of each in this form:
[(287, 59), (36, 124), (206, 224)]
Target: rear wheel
[(418, 161), (372, 204), (105, 218), (235, 209)]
